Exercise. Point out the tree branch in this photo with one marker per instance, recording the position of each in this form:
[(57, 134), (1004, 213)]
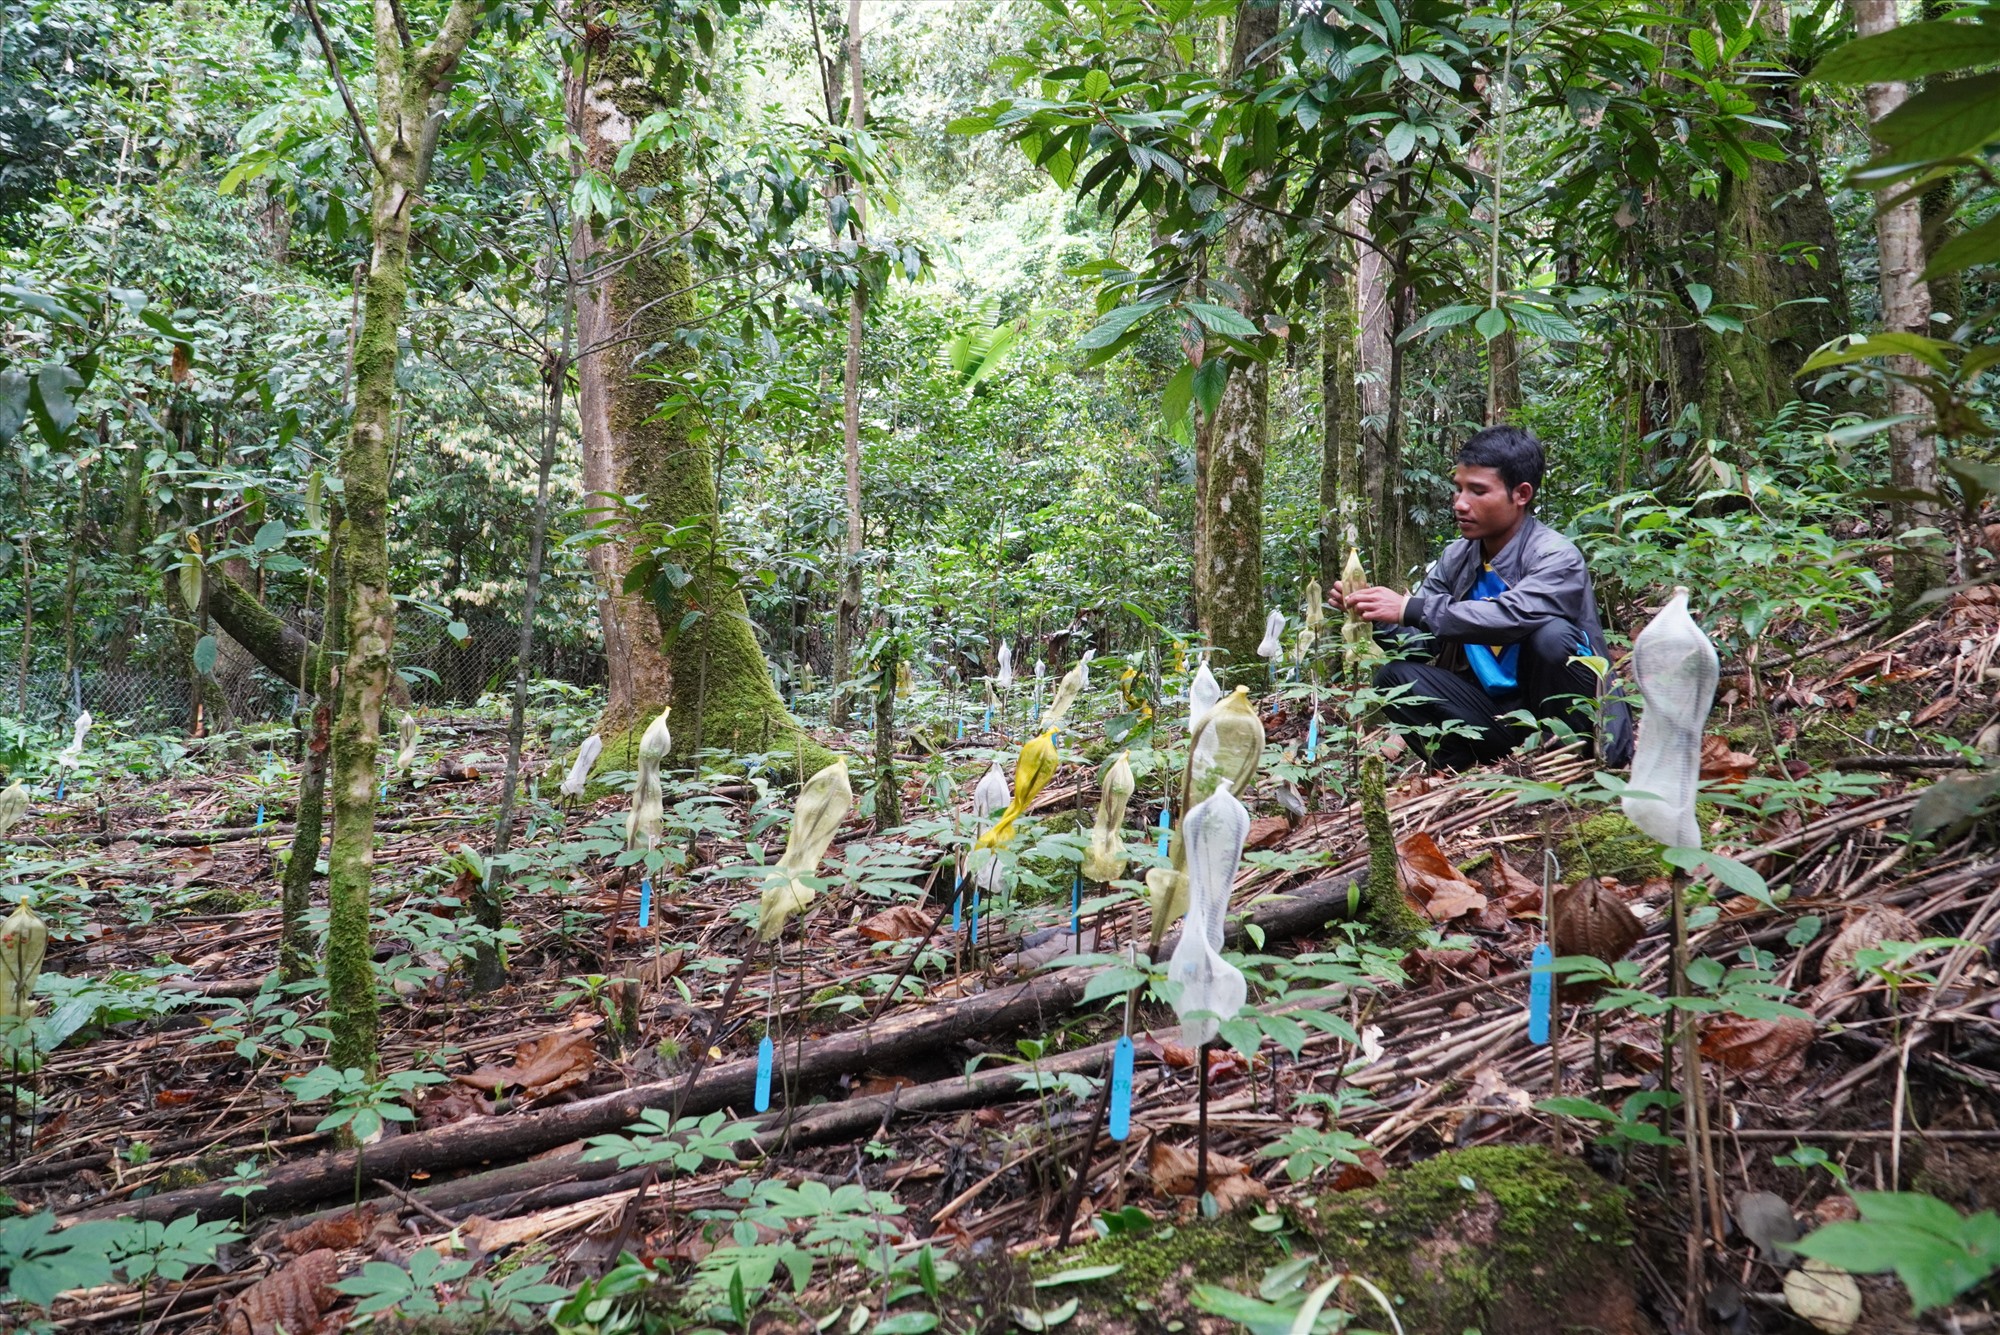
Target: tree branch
[(340, 82)]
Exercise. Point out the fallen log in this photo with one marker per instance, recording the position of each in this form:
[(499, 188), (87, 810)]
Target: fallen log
[(1032, 1003)]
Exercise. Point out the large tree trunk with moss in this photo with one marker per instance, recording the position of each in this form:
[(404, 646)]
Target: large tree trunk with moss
[(1372, 281), (407, 81), (847, 615), (630, 321), (1906, 308), (1229, 591)]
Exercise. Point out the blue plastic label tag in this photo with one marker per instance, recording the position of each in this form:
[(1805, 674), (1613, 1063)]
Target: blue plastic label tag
[(1121, 1089), (1312, 740), (1076, 906), (59, 787), (987, 726), (766, 1056), (260, 813), (1541, 992), (958, 913), (975, 915), (645, 902)]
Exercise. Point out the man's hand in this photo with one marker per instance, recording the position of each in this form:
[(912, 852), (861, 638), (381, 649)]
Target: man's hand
[(1374, 603)]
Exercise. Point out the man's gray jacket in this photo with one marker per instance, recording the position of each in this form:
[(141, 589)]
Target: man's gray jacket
[(1546, 580)]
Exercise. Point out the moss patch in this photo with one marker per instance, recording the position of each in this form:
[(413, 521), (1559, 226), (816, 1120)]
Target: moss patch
[(1537, 1243), (1509, 1240), (1608, 844)]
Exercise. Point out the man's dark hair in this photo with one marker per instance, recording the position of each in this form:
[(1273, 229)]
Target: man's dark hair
[(1511, 451)]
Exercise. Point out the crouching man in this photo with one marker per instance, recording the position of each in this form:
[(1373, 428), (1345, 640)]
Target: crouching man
[(1504, 616)]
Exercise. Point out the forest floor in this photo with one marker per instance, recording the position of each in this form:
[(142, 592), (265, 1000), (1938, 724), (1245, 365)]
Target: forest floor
[(1418, 1162)]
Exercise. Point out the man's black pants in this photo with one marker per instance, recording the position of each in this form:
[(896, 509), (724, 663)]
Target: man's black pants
[(1543, 673)]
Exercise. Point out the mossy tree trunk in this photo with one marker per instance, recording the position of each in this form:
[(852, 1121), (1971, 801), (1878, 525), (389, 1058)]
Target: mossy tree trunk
[(410, 80), (630, 323), (1229, 590), (847, 615)]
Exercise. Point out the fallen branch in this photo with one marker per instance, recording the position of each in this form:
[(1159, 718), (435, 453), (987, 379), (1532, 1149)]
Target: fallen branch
[(1033, 1003)]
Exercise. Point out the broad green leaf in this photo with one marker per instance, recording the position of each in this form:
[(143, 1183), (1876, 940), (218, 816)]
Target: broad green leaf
[(1491, 323), (1179, 393), (1079, 1275), (1401, 141), (1096, 83), (204, 655), (1701, 294), (1910, 51), (1222, 320), (1981, 245), (1941, 122), (1702, 43), (1113, 326)]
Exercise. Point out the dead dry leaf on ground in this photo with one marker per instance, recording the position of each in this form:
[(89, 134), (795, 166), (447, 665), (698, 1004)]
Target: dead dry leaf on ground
[(1173, 1170), (1439, 889), (548, 1065), (337, 1233), (292, 1296), (1935, 710), (1721, 763), (199, 863), (1519, 894), (1867, 930), (445, 1104), (1369, 1172), (1590, 918), (1764, 1052), (901, 923)]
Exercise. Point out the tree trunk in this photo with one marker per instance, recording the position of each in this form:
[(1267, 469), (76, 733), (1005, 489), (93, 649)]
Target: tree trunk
[(847, 623), (629, 322), (1372, 281), (1230, 593), (1340, 499), (405, 134), (1906, 308), (888, 795)]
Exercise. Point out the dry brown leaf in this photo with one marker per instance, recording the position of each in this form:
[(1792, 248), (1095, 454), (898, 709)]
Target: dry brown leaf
[(548, 1065), (340, 1232), (1867, 930), (1173, 1170), (879, 1084), (200, 861), (1439, 889), (445, 1104), (1519, 894), (901, 923), (1455, 966), (292, 1297), (1590, 918), (1267, 832), (1723, 764), (1765, 1052), (1935, 710), (1361, 1176)]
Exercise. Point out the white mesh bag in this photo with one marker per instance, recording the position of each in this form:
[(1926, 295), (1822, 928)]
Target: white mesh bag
[(1677, 671), (1214, 833), (1204, 694)]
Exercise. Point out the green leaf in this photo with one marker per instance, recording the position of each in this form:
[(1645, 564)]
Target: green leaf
[(1029, 1318), (1585, 1109), (902, 1323), (969, 125), (1949, 803), (1891, 343), (1208, 384), (271, 535), (1701, 294), (1444, 317), (1941, 122), (1738, 876), (1113, 326), (1910, 51), (1401, 141), (1702, 43), (1096, 83), (204, 655), (1981, 245), (1222, 319), (52, 400), (1079, 1275), (1179, 393), (1491, 323)]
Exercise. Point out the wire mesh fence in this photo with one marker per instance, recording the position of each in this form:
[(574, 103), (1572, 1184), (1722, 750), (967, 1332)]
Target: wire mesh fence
[(155, 695)]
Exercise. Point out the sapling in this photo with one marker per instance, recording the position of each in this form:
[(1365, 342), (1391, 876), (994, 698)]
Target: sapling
[(1677, 671), (823, 804), (1104, 860), (579, 773), (406, 737), (1212, 989), (1227, 748), (1357, 647), (13, 806), (1272, 647), (1074, 683), (642, 823)]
